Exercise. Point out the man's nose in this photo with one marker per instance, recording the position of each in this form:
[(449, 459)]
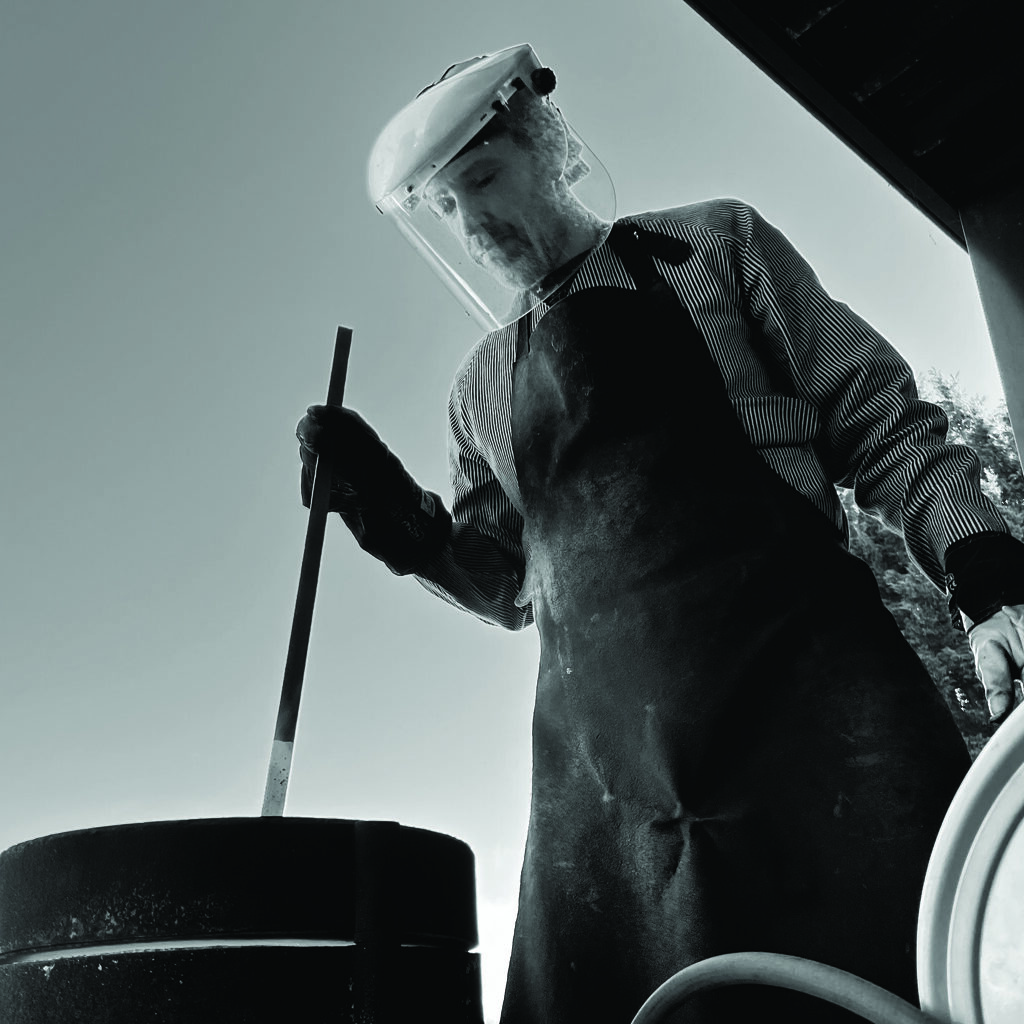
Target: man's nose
[(474, 227), (471, 219)]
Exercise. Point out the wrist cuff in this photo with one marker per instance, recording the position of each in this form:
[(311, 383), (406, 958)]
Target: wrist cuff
[(983, 573), (420, 533)]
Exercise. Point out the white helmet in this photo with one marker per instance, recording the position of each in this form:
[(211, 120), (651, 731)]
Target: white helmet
[(415, 160)]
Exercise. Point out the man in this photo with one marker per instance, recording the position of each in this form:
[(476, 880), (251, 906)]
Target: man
[(734, 748)]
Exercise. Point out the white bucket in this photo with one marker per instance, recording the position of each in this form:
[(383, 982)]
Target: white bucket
[(970, 939)]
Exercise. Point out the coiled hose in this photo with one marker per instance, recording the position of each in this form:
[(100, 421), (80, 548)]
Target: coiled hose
[(840, 987)]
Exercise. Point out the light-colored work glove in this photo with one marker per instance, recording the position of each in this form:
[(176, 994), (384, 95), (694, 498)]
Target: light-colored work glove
[(998, 648), (985, 583)]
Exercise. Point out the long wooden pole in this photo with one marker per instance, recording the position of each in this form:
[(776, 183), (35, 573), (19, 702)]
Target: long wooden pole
[(302, 620)]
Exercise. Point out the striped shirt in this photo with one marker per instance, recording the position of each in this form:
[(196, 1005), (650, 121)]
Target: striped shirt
[(822, 396)]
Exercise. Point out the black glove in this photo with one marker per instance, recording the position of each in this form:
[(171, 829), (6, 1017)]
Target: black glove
[(389, 514), (984, 573)]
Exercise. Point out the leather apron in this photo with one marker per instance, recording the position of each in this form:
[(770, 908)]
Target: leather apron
[(734, 747)]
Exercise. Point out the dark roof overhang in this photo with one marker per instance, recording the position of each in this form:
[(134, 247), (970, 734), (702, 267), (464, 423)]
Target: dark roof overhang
[(926, 92)]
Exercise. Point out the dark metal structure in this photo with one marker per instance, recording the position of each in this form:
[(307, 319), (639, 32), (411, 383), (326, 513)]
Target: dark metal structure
[(928, 93), (258, 920)]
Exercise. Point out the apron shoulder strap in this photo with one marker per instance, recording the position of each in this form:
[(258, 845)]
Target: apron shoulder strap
[(522, 336), (637, 248)]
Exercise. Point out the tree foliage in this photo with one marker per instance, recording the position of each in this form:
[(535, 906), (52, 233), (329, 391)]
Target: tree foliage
[(918, 607)]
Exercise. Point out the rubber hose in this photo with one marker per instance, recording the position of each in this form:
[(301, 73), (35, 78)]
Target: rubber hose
[(840, 987)]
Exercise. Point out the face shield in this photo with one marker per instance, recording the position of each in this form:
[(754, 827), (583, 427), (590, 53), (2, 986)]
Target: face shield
[(490, 184)]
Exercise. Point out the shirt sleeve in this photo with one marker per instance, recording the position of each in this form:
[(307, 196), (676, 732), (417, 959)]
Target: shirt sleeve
[(481, 568), (877, 437)]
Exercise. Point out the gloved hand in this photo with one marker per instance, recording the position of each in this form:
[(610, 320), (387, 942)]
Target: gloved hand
[(985, 583), (389, 514), (997, 644)]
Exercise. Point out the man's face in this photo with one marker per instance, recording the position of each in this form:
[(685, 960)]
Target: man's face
[(499, 201)]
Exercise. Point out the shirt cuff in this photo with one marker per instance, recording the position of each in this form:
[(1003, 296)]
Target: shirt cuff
[(983, 573)]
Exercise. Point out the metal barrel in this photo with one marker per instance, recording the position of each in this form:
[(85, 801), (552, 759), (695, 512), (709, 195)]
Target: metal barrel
[(239, 919)]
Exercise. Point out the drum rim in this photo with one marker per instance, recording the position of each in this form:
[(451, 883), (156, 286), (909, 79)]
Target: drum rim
[(984, 815), (195, 878)]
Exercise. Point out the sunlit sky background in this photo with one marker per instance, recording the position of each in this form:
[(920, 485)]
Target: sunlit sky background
[(184, 224)]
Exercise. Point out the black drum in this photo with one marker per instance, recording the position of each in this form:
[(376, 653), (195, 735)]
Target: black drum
[(239, 920)]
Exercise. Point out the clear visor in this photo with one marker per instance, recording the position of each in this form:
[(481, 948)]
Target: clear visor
[(505, 222)]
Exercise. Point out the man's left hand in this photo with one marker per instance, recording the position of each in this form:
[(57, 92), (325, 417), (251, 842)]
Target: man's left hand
[(998, 647)]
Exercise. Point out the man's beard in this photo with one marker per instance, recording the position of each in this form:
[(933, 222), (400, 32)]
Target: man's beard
[(512, 261)]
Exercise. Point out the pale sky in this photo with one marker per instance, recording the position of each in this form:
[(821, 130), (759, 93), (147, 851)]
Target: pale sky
[(184, 225)]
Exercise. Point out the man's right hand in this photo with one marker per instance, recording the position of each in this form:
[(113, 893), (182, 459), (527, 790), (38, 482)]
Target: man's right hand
[(359, 460), (389, 514)]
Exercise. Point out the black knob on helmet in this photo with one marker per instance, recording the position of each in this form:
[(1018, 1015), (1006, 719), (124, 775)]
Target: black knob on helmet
[(542, 80)]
